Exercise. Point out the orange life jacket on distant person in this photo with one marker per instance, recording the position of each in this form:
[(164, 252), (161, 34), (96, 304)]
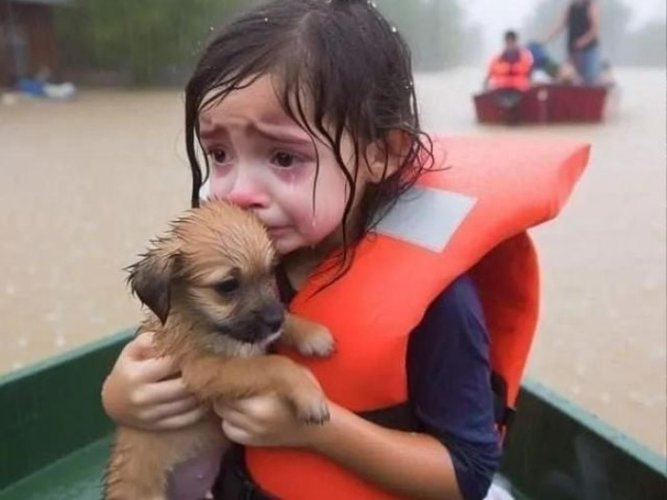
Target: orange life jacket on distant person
[(504, 74), (471, 216)]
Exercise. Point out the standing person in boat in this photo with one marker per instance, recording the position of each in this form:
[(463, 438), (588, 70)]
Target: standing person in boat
[(582, 20)]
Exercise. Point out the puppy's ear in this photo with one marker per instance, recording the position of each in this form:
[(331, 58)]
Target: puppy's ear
[(151, 277)]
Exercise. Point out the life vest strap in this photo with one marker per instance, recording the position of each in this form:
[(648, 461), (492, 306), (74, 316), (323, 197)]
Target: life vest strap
[(504, 414), (234, 481), (399, 417)]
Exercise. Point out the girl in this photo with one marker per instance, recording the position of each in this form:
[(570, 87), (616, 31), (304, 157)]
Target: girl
[(304, 112)]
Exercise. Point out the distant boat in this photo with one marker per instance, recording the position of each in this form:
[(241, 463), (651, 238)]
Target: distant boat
[(544, 103)]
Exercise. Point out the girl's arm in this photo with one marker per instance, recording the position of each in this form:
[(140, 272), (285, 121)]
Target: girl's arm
[(408, 464), (456, 451), (145, 392), (449, 386)]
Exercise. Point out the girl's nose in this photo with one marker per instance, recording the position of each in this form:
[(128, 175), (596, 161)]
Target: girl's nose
[(248, 194)]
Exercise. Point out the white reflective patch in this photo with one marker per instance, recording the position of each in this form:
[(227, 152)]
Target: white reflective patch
[(426, 217), (205, 191)]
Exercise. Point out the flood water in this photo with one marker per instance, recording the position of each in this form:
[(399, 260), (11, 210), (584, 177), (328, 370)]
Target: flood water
[(84, 185)]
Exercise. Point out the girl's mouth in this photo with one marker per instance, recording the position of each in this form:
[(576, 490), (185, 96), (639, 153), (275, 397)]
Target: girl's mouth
[(277, 231)]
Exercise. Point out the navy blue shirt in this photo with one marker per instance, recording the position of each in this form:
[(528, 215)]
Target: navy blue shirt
[(449, 385), (449, 382)]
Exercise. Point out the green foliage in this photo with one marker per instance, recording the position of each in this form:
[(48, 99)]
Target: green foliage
[(433, 29), (154, 41), (143, 38)]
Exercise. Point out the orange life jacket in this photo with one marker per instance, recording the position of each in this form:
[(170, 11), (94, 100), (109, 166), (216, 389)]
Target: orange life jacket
[(512, 75), (471, 216)]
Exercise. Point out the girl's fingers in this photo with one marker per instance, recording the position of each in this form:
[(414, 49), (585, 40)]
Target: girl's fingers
[(232, 416), (141, 347), (180, 421), (154, 369), (167, 391), (236, 434), (173, 409), (220, 407), (228, 411)]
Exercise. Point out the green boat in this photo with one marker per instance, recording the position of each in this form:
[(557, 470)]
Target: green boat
[(56, 437)]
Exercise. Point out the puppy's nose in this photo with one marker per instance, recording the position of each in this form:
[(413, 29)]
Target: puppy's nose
[(273, 316)]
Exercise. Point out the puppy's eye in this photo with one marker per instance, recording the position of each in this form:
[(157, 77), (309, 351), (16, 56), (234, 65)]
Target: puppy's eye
[(227, 287)]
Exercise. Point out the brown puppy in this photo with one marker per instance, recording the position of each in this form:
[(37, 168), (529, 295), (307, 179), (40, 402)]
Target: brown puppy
[(210, 286)]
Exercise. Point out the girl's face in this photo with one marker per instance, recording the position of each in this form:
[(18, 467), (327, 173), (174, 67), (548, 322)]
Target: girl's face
[(262, 160)]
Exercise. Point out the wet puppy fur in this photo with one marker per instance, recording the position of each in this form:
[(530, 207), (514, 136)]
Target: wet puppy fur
[(210, 288)]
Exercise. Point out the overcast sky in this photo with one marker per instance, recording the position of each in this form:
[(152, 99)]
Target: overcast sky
[(498, 15)]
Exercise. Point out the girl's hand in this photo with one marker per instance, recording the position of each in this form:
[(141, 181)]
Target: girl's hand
[(144, 392), (265, 420)]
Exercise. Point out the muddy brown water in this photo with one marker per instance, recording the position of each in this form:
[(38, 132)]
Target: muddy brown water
[(84, 185)]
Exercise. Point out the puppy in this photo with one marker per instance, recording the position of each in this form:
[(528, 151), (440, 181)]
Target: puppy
[(210, 287)]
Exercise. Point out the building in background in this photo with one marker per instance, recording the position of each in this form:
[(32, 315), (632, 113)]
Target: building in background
[(27, 39)]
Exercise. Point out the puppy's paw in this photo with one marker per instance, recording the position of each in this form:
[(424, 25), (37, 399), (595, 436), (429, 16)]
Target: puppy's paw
[(318, 343), (313, 410)]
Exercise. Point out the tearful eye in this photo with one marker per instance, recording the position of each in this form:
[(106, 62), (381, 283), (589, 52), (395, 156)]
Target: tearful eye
[(219, 155), (227, 287), (284, 160)]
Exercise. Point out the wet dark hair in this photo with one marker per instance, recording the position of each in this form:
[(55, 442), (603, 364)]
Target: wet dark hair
[(341, 68), (511, 36)]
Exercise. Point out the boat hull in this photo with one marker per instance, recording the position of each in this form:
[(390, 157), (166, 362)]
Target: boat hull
[(544, 104)]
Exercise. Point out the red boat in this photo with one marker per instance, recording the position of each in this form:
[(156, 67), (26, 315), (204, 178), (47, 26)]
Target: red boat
[(550, 103)]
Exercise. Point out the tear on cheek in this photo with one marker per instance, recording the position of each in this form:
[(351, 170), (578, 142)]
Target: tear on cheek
[(218, 189)]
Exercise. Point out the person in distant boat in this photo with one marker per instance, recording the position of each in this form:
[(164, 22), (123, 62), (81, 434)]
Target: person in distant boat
[(545, 69), (509, 75), (581, 18), (511, 69)]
